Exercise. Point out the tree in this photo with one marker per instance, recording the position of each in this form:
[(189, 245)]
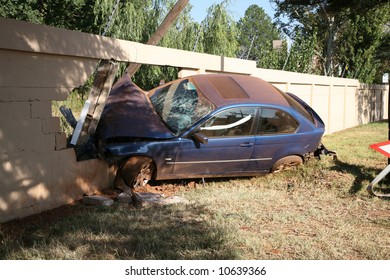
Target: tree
[(360, 6), (25, 11), (74, 15), (347, 34), (301, 55), (257, 32), (383, 55), (358, 43), (220, 31)]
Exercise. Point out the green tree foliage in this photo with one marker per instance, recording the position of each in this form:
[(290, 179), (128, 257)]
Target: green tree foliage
[(25, 10), (383, 55), (69, 14), (301, 55), (136, 21), (220, 31), (360, 6), (347, 35), (358, 43), (133, 20), (257, 32)]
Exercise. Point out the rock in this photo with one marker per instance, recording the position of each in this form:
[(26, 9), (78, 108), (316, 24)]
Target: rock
[(97, 200), (124, 198), (156, 198)]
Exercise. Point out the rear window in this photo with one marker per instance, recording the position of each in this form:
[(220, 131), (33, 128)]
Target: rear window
[(298, 107), (273, 121)]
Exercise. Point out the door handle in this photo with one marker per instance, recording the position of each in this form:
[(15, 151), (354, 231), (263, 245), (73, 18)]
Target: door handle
[(246, 145)]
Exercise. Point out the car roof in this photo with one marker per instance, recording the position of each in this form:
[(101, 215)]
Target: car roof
[(226, 89)]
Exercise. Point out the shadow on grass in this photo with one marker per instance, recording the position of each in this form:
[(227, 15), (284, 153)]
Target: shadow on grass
[(361, 174), (118, 232)]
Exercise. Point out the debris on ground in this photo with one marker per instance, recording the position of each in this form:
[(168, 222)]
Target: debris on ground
[(146, 198), (97, 200), (124, 198), (165, 194)]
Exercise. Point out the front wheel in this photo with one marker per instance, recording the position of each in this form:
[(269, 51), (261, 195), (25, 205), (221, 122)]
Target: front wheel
[(286, 163), (136, 172)]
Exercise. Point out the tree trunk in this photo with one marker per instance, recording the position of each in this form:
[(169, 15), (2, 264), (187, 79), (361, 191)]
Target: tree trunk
[(328, 71)]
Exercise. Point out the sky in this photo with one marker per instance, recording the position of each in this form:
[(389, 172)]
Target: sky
[(236, 7)]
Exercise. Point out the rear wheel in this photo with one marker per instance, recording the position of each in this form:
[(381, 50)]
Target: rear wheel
[(286, 163), (136, 172)]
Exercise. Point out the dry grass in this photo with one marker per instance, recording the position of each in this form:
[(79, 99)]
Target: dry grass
[(318, 211)]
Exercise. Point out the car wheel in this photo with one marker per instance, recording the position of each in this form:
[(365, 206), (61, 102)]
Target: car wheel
[(286, 163), (137, 171)]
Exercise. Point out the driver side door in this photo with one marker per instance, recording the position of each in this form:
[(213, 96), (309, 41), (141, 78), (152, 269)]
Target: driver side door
[(229, 148)]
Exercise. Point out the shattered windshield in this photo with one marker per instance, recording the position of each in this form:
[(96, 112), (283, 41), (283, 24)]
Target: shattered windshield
[(180, 105)]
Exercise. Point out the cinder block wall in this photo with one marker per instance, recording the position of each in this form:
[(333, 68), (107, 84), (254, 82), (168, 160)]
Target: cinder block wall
[(37, 171), (40, 64)]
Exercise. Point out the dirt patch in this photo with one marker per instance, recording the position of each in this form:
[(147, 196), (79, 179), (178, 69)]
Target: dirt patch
[(166, 189), (169, 189)]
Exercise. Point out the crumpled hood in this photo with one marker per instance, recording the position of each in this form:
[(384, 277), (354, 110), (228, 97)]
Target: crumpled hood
[(128, 113)]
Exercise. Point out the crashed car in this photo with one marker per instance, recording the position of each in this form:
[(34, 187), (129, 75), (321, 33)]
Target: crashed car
[(202, 126)]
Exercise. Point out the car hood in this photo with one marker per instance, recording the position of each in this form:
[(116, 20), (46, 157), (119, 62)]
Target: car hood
[(128, 113)]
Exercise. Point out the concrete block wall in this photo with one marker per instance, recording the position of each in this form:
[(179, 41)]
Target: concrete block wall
[(37, 170), (40, 64)]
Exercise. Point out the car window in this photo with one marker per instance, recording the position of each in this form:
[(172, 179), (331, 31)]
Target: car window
[(231, 122), (180, 105), (297, 106), (273, 121)]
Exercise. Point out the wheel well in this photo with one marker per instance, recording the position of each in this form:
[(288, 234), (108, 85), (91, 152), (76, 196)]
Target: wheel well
[(287, 160), (143, 158), (128, 167)]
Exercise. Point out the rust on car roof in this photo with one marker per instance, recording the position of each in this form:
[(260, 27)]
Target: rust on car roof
[(227, 87), (224, 89)]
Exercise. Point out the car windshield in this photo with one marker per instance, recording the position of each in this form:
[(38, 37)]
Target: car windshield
[(180, 104)]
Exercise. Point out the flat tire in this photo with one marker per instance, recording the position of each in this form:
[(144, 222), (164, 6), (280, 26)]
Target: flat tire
[(286, 163)]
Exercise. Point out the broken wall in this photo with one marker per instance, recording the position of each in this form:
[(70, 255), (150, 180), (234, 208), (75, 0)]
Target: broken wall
[(37, 170)]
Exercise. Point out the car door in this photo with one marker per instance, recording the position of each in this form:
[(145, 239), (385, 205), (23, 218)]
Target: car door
[(275, 137), (229, 148)]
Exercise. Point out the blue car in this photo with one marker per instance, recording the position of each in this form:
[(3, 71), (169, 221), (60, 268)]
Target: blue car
[(202, 126)]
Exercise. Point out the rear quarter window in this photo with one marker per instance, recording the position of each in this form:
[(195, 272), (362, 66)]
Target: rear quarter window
[(298, 107), (273, 121)]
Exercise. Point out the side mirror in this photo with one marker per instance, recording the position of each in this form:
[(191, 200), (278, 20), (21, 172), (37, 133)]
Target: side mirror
[(201, 138)]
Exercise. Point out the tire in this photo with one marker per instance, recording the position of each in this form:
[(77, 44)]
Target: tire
[(286, 163), (137, 171)]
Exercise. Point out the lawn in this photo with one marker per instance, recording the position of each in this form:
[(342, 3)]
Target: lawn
[(318, 211)]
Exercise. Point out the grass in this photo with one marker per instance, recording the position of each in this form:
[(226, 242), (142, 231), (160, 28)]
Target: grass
[(75, 101), (317, 211)]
